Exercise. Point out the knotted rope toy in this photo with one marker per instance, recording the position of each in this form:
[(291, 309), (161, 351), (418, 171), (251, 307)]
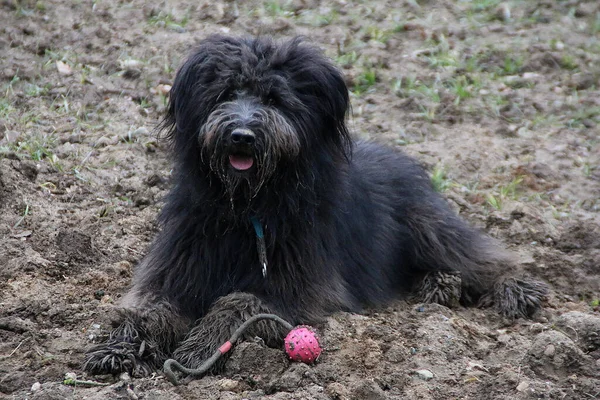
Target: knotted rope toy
[(301, 344)]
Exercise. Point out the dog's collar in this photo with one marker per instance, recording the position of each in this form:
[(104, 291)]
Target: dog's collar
[(260, 244)]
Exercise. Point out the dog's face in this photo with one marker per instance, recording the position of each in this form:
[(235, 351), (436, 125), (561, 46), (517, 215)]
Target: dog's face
[(243, 108)]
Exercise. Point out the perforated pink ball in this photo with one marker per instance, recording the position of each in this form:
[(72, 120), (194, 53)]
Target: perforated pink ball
[(302, 344)]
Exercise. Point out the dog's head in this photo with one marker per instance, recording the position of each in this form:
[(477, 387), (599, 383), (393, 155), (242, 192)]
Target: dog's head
[(242, 108)]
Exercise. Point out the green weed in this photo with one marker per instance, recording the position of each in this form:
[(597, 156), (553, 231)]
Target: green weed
[(276, 8), (365, 81), (502, 193), (37, 146), (347, 60), (440, 180), (567, 61)]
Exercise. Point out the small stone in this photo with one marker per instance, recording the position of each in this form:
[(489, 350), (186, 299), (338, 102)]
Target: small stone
[(136, 133), (36, 386), (227, 385), (522, 386), (131, 394), (583, 80), (588, 123), (337, 391), (63, 68), (132, 73), (130, 63), (531, 76), (503, 12), (103, 142), (550, 350), (10, 137), (424, 374), (163, 89), (125, 377), (367, 389)]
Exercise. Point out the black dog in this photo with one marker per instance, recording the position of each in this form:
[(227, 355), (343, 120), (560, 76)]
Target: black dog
[(275, 208)]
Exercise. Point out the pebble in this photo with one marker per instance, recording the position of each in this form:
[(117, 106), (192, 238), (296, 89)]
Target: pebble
[(503, 12), (136, 133), (163, 89), (228, 385), (550, 350), (132, 394), (337, 391), (70, 376), (36, 386), (424, 374), (522, 386)]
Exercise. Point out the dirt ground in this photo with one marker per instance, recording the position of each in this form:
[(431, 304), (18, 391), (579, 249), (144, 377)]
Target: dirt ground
[(500, 100)]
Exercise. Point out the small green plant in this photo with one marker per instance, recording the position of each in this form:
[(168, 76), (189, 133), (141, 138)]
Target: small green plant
[(168, 20), (595, 26), (6, 108), (365, 81), (587, 169), (428, 113), (9, 88), (404, 86), (277, 8), (430, 91), (347, 60), (377, 34), (440, 180), (512, 65), (582, 114), (316, 18), (567, 61), (510, 190), (37, 146), (23, 216), (462, 89), (481, 5), (440, 55), (494, 201), (33, 90)]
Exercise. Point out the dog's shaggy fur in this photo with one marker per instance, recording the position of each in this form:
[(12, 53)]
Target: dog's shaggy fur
[(258, 132)]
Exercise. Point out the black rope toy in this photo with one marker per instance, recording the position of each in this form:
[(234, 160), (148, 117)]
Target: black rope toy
[(301, 344)]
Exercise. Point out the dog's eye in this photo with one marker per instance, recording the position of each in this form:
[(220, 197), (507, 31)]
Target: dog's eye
[(270, 100)]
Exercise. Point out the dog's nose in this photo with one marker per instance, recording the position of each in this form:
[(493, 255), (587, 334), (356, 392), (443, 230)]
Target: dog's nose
[(242, 136)]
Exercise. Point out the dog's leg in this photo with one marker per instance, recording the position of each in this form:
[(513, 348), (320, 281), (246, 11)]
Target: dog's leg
[(216, 327), (458, 262), (141, 342)]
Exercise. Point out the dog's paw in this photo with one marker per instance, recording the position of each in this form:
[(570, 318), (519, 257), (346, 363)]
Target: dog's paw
[(115, 357), (516, 298), (440, 287)]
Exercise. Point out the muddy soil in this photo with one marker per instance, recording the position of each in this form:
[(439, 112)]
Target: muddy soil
[(500, 100)]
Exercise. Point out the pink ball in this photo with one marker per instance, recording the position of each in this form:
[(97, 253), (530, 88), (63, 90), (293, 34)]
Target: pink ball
[(302, 344)]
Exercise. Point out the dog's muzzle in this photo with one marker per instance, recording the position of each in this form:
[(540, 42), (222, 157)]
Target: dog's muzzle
[(242, 142)]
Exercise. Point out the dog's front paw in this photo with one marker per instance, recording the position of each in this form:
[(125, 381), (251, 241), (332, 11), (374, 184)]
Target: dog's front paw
[(440, 287), (515, 298), (115, 357)]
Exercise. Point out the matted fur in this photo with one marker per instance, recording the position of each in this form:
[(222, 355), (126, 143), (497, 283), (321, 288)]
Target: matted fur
[(347, 224)]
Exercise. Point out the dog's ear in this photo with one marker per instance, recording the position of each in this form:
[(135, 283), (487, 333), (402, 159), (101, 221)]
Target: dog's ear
[(196, 87), (319, 85)]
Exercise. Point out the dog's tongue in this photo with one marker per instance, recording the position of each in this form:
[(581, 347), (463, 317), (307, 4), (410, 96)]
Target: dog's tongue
[(241, 163)]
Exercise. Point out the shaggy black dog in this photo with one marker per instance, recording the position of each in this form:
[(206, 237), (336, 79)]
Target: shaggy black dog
[(275, 208)]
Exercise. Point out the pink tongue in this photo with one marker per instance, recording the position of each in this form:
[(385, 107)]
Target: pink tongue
[(241, 163)]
